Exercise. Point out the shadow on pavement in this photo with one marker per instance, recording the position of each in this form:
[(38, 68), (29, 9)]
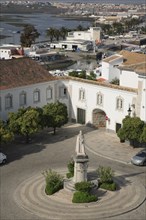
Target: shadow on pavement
[(18, 148)]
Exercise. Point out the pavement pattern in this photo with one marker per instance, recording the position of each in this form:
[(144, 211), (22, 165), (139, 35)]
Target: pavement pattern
[(30, 194)]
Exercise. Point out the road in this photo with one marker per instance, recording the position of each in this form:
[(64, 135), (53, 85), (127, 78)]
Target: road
[(49, 151)]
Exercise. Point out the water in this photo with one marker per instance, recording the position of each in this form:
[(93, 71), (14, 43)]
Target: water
[(41, 22)]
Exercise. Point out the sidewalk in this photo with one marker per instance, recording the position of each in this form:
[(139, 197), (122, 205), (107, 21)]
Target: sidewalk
[(107, 144)]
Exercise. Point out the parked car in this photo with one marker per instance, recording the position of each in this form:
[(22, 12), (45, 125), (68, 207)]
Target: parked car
[(139, 158), (3, 158)]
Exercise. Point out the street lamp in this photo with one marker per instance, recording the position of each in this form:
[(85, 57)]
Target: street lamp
[(129, 111)]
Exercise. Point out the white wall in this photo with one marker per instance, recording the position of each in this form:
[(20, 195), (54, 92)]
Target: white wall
[(15, 92), (110, 69), (129, 79), (142, 97), (92, 34), (72, 99), (109, 101), (5, 54), (105, 70)]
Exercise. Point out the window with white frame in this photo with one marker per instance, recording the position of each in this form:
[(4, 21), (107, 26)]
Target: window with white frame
[(62, 92), (8, 101), (49, 93), (119, 103), (81, 94), (36, 95), (99, 98), (22, 98)]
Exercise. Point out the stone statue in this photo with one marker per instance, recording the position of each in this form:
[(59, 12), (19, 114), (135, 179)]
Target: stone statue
[(80, 146)]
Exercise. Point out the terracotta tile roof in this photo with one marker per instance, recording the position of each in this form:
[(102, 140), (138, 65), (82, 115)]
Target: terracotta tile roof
[(22, 72), (133, 62), (131, 58), (101, 80)]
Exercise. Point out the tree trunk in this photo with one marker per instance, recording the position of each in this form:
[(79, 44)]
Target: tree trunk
[(54, 130)]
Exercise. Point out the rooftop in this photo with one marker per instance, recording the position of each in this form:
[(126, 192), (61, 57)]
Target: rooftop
[(134, 62), (132, 57), (25, 71), (111, 58), (21, 72)]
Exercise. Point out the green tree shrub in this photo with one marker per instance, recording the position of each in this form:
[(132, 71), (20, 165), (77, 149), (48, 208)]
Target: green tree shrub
[(55, 115), (83, 186), (108, 186), (105, 174), (132, 129), (5, 134), (25, 122), (121, 134), (115, 81), (83, 197), (54, 182), (143, 135), (70, 167), (29, 35)]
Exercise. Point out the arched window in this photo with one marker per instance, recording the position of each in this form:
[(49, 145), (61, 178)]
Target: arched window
[(81, 94), (8, 101), (119, 103), (49, 93), (36, 95), (22, 98), (99, 98), (62, 92)]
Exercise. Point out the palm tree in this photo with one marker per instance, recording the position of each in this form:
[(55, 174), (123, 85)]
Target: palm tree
[(57, 34), (63, 32), (51, 33)]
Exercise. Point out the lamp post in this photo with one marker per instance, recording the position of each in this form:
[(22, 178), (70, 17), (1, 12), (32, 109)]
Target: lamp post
[(129, 111)]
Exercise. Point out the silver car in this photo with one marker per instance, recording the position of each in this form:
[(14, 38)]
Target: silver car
[(139, 158), (3, 158)]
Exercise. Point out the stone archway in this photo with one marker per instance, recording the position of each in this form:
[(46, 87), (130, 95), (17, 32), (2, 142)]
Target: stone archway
[(99, 118)]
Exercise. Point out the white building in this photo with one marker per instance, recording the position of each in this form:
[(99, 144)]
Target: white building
[(25, 83), (73, 45), (92, 34), (8, 51)]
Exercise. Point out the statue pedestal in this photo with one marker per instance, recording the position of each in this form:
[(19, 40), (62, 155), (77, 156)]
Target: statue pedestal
[(80, 168)]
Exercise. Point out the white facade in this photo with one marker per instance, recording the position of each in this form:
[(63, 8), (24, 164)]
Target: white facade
[(68, 92), (93, 34), (8, 51), (88, 102), (73, 45), (129, 79)]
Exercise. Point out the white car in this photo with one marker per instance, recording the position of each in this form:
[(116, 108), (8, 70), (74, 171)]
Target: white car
[(3, 158)]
